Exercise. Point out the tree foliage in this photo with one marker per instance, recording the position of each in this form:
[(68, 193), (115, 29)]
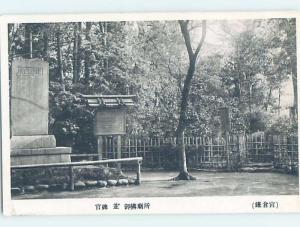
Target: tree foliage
[(149, 59)]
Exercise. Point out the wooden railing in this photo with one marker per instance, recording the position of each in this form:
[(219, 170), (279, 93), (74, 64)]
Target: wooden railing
[(137, 160)]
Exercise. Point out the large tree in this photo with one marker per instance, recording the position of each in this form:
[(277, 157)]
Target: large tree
[(192, 55)]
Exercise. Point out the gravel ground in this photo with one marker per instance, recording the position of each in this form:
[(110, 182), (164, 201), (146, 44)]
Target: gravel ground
[(158, 184)]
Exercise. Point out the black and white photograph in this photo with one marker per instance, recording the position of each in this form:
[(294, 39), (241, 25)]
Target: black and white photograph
[(115, 109)]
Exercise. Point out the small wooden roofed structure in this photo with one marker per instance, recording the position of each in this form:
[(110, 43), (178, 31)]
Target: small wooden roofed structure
[(109, 100)]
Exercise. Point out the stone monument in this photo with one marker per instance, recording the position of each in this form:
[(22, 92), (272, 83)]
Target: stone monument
[(30, 142)]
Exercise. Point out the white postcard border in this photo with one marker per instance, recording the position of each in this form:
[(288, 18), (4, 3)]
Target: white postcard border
[(158, 205)]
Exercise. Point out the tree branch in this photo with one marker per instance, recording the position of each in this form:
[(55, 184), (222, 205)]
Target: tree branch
[(187, 39), (202, 38)]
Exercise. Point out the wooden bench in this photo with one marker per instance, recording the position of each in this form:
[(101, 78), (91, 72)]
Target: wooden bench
[(71, 165)]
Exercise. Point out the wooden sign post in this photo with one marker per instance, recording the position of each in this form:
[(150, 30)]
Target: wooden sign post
[(110, 122), (110, 118)]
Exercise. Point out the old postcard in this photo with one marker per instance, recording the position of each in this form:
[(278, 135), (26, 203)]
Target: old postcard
[(150, 113)]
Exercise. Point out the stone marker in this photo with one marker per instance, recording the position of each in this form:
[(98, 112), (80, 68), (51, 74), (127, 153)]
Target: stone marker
[(112, 182), (29, 188), (101, 183), (30, 142), (123, 182), (91, 183), (131, 181), (42, 187), (79, 185), (29, 97)]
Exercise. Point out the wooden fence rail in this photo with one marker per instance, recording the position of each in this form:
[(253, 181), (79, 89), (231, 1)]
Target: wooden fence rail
[(136, 160)]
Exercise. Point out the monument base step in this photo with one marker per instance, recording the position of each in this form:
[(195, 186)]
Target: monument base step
[(40, 156), (31, 142)]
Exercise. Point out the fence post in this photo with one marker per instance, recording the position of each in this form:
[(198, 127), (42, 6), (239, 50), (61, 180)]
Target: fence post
[(158, 151), (227, 148), (197, 155), (269, 141), (100, 147), (119, 150), (292, 152), (136, 146), (144, 148), (129, 147), (275, 150), (226, 128), (238, 149), (138, 173), (71, 176), (279, 150)]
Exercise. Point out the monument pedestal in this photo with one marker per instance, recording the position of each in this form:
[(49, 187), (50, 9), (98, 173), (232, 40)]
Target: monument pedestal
[(36, 141), (40, 156), (40, 149)]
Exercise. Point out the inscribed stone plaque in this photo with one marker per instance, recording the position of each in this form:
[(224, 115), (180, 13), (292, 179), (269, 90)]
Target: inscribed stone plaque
[(29, 97), (110, 122)]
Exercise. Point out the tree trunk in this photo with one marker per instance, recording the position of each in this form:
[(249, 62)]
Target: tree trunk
[(279, 101), (238, 85), (294, 79), (45, 44), (269, 98), (28, 41), (79, 50), (103, 26), (60, 71), (183, 171), (76, 55), (183, 166), (87, 55)]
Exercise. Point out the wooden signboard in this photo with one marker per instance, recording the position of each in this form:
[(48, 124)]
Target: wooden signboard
[(110, 121)]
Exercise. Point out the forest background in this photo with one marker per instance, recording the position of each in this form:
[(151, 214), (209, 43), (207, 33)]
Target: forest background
[(248, 66)]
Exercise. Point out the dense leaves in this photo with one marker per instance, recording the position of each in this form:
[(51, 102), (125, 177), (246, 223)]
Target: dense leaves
[(247, 73)]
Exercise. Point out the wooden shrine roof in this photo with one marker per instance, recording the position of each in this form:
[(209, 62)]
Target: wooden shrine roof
[(109, 100)]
